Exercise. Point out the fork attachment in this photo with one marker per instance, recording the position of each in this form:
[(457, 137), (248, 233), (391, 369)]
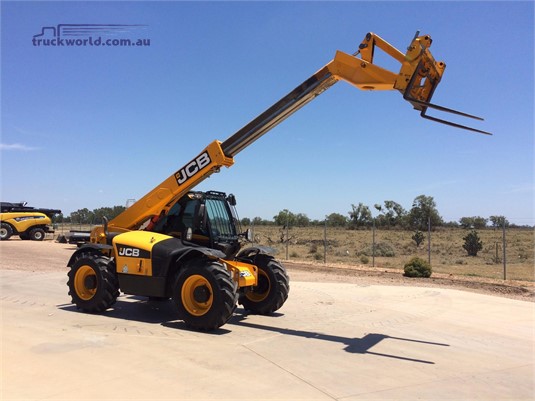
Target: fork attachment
[(418, 78)]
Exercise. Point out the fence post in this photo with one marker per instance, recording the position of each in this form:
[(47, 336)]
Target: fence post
[(504, 260), (373, 243), (287, 238), (429, 239), (325, 242)]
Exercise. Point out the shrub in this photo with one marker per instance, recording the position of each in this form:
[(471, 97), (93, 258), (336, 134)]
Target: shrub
[(384, 249), (381, 249), (417, 267), (472, 243), (418, 237), (364, 260)]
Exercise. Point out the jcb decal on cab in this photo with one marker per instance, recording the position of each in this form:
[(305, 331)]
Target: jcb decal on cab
[(192, 168)]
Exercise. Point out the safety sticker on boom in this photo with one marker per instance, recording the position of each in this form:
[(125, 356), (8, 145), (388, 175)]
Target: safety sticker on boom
[(192, 168)]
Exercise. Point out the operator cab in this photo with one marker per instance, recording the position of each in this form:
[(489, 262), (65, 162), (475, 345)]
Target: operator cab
[(211, 216)]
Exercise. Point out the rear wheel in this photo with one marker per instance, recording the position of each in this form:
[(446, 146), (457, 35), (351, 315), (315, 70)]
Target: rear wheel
[(37, 234), (205, 294), (93, 283), (272, 289), (6, 231)]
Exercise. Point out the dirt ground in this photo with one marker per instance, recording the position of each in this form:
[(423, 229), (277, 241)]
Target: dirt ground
[(520, 290), (49, 255)]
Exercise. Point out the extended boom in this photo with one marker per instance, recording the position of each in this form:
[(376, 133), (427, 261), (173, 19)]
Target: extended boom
[(417, 80)]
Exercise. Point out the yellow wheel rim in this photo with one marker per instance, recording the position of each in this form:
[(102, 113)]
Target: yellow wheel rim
[(261, 291), (197, 295), (85, 282)]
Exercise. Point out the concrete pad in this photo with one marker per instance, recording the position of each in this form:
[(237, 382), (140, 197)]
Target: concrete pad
[(330, 341)]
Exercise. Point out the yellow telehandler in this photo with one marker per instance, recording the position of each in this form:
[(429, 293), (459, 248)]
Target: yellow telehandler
[(187, 245)]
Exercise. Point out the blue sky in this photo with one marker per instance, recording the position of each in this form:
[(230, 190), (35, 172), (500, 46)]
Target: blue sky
[(89, 126)]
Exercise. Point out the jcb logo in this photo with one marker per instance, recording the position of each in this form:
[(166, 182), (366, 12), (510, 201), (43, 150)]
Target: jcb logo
[(192, 168), (133, 252)]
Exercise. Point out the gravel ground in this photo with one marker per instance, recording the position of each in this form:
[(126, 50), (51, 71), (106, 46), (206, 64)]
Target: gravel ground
[(52, 256)]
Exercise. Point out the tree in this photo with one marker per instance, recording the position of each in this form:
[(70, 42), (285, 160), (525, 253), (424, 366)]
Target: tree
[(472, 243), (102, 212), (302, 220), (360, 216), (259, 221), (423, 210), (85, 216), (58, 218), (498, 221), (285, 217), (336, 220), (392, 214), (466, 222), (82, 216), (473, 222)]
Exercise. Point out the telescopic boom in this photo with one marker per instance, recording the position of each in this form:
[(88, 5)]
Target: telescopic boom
[(417, 79)]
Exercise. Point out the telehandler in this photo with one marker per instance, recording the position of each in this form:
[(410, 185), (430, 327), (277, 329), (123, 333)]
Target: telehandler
[(187, 245)]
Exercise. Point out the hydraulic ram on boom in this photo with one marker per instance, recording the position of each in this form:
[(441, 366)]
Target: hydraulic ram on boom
[(187, 245)]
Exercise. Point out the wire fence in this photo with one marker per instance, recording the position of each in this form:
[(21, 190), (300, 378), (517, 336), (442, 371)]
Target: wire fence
[(505, 253)]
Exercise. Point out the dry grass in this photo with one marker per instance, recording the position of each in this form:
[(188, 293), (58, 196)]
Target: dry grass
[(350, 247), (447, 254)]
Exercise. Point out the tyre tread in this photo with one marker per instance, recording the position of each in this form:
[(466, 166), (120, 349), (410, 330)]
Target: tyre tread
[(108, 280)]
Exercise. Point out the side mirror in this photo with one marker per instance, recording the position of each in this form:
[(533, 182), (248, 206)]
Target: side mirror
[(249, 235), (202, 217)]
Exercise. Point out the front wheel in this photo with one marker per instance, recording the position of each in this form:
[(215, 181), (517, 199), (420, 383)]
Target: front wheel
[(205, 294), (272, 289), (93, 283)]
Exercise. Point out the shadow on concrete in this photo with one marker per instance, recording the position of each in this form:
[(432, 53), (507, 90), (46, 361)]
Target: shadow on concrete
[(353, 345), (163, 312)]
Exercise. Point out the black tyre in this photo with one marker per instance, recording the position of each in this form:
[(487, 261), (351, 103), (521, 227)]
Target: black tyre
[(272, 289), (6, 231), (205, 294), (37, 234), (93, 283)]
